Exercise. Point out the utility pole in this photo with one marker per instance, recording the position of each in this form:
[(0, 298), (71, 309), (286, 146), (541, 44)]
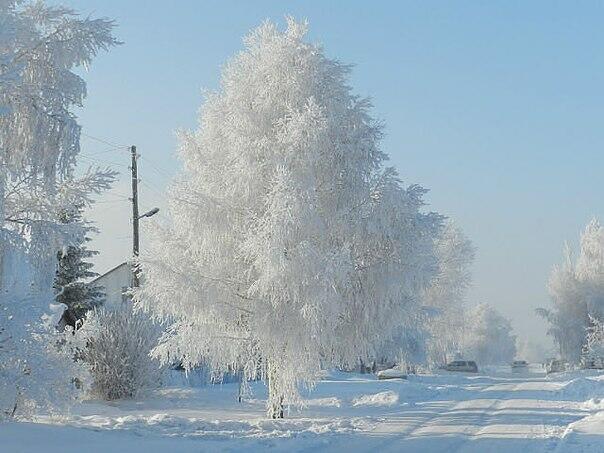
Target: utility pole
[(135, 216)]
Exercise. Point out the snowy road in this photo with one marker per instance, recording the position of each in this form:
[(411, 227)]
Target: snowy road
[(495, 414), (346, 412)]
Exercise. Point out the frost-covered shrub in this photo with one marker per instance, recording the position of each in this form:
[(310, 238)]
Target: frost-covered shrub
[(37, 370), (116, 350)]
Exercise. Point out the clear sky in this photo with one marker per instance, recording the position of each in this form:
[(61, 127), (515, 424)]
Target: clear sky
[(495, 106)]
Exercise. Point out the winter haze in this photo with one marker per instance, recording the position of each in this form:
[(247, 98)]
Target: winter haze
[(366, 226), (493, 107)]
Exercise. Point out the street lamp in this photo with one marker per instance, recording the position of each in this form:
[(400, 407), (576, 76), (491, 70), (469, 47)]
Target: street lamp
[(150, 213), (135, 248)]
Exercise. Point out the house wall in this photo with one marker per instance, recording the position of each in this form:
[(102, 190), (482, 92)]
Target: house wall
[(115, 282)]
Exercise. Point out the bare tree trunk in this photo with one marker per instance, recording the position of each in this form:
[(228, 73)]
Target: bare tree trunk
[(274, 404), (17, 397), (2, 192), (241, 385)]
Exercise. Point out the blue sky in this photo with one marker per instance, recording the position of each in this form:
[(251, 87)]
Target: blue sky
[(496, 107)]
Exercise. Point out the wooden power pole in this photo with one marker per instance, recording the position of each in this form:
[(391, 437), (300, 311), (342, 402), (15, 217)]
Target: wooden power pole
[(135, 216)]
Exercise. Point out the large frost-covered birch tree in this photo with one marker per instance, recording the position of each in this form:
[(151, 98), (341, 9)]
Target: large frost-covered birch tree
[(40, 47), (291, 247)]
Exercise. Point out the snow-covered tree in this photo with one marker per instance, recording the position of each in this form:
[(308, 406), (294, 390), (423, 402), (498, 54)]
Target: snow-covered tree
[(291, 247), (407, 346), (40, 47), (594, 340), (532, 351), (115, 344), (489, 338), (590, 268), (39, 135), (445, 297), (36, 370), (71, 286), (577, 292)]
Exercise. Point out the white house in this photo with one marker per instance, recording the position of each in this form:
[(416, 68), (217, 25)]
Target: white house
[(115, 283)]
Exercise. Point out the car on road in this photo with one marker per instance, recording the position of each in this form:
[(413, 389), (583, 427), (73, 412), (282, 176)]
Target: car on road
[(468, 366), (392, 373), (555, 366), (589, 362), (519, 366)]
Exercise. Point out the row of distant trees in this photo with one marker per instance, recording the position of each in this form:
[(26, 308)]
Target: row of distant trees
[(577, 291), (293, 247)]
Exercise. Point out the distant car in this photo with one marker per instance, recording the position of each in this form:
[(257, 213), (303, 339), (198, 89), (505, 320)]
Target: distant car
[(468, 366), (519, 366), (555, 366), (392, 373), (592, 363)]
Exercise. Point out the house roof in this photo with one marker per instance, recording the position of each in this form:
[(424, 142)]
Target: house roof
[(112, 270)]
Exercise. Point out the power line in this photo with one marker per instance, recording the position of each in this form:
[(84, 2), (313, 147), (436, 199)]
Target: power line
[(156, 167), (119, 198), (101, 151), (153, 189), (109, 201), (101, 140), (118, 194), (101, 161)]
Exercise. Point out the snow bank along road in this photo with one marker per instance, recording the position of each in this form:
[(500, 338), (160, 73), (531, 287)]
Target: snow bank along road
[(346, 412)]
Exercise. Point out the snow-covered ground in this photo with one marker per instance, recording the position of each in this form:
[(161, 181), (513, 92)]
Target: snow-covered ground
[(498, 411)]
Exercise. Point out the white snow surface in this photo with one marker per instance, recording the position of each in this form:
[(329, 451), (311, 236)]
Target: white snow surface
[(498, 412)]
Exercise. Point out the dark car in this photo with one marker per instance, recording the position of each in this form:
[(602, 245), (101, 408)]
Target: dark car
[(519, 366), (468, 366)]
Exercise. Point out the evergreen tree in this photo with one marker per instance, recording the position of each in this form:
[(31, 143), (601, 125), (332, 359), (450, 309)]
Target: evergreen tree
[(73, 270)]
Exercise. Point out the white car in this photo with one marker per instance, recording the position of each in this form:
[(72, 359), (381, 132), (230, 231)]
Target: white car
[(392, 373)]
